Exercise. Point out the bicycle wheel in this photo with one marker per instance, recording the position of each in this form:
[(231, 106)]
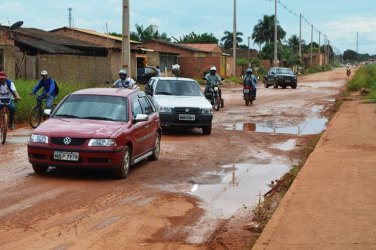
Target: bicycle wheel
[(35, 117), (4, 128)]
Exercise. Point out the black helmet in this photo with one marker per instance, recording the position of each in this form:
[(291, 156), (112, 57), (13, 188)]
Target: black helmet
[(249, 71)]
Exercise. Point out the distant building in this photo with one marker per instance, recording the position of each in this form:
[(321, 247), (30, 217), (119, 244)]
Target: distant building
[(194, 59)]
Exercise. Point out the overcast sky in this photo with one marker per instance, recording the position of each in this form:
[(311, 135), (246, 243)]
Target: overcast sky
[(340, 21)]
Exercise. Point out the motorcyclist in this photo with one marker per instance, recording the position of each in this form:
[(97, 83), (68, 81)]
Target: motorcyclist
[(348, 71), (250, 79), (124, 81), (212, 79)]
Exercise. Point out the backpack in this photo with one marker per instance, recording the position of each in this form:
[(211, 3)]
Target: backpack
[(247, 80), (9, 85), (56, 87)]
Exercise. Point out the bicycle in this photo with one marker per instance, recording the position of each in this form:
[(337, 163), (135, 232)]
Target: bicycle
[(37, 112), (4, 119)]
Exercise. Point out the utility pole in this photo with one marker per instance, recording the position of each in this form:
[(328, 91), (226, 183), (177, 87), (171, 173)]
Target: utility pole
[(357, 43), (234, 40), (70, 17), (319, 49), (126, 52), (300, 39), (275, 61), (249, 63), (311, 44)]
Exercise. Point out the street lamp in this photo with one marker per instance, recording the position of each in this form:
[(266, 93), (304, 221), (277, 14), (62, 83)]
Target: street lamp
[(249, 63)]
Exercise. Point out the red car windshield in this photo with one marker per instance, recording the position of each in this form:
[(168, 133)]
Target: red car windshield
[(96, 107)]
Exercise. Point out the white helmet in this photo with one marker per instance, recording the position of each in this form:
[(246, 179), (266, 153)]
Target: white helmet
[(44, 72), (213, 68), (123, 71)]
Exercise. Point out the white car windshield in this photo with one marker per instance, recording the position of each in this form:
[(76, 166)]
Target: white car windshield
[(178, 87)]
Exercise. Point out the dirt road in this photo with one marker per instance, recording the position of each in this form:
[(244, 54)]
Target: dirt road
[(198, 195)]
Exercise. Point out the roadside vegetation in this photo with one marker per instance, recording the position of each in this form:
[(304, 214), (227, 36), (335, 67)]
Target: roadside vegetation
[(364, 81), (24, 88)]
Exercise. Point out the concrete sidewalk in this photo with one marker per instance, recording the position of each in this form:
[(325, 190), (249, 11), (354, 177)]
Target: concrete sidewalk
[(332, 202)]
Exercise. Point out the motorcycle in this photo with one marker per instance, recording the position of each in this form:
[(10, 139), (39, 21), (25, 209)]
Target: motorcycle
[(213, 97), (248, 94), (348, 72)]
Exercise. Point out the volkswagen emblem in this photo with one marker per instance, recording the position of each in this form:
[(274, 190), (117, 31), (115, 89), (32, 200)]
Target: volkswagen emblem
[(187, 110), (67, 140)]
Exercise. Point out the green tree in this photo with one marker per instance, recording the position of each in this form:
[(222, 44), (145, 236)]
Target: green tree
[(267, 52), (350, 55), (197, 38), (228, 39), (263, 31), (148, 33), (293, 43)]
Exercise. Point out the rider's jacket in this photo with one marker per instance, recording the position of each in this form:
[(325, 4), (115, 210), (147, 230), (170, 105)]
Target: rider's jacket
[(127, 83), (212, 80), (5, 92)]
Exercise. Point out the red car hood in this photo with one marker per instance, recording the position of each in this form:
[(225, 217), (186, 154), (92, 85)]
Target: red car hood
[(81, 128)]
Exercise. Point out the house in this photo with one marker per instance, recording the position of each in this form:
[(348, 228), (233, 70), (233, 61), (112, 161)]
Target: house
[(26, 51), (114, 46), (194, 59)]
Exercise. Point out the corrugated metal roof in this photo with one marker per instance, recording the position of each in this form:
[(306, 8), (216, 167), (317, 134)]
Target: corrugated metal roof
[(50, 42), (212, 47), (178, 45), (47, 46), (96, 33)]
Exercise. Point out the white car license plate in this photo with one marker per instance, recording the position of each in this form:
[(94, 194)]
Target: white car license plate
[(66, 156), (287, 81), (185, 117), (246, 91)]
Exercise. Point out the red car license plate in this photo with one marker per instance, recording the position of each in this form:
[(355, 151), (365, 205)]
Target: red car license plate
[(66, 156)]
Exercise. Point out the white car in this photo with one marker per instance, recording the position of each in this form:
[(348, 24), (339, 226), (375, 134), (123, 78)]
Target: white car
[(180, 103)]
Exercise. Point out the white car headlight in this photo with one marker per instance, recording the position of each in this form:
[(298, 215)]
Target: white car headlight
[(207, 111), (102, 143), (164, 109), (39, 138)]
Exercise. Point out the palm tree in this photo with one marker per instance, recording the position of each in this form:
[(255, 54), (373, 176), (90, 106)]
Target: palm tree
[(263, 32), (293, 43), (150, 32), (228, 39)]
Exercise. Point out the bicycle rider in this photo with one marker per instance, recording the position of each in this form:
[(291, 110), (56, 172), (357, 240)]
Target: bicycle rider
[(7, 90), (49, 90)]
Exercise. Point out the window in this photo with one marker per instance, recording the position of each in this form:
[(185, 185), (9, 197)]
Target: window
[(136, 106), (167, 60), (96, 107)]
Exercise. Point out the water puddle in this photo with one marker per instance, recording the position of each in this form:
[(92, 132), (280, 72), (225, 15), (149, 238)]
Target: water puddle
[(224, 192), (308, 127), (312, 125), (236, 186), (15, 139)]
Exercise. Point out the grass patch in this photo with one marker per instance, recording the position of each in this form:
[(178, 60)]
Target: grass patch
[(24, 88), (364, 79)]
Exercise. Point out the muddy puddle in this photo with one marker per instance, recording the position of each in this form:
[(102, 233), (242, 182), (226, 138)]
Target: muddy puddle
[(17, 139), (314, 124), (235, 186)]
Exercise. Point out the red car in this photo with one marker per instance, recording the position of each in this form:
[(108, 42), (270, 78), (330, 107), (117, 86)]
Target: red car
[(106, 128)]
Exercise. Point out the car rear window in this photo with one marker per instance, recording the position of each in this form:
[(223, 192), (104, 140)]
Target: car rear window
[(178, 87), (284, 71), (97, 107)]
